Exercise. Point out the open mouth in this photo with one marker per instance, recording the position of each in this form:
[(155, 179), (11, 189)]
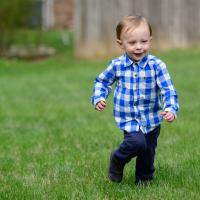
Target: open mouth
[(138, 54)]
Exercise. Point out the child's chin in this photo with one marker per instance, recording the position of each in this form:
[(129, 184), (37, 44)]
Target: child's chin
[(137, 59)]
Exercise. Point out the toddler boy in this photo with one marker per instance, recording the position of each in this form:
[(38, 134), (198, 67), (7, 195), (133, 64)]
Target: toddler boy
[(143, 97)]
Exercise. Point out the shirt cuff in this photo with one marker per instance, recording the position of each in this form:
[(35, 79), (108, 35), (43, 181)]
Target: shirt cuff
[(98, 99)]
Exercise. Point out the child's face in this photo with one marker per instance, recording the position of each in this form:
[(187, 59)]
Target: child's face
[(136, 42)]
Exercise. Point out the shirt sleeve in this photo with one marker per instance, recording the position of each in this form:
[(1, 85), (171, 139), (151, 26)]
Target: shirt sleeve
[(168, 91), (102, 84)]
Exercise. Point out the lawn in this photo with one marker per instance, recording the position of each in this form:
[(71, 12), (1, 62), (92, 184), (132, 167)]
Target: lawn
[(54, 145)]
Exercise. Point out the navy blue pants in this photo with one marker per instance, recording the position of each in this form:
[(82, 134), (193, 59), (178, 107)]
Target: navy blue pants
[(142, 146)]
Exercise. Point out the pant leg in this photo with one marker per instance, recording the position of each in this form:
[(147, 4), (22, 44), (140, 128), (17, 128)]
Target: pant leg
[(133, 144), (145, 161)]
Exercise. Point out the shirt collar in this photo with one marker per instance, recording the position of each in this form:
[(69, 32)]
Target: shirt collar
[(142, 63)]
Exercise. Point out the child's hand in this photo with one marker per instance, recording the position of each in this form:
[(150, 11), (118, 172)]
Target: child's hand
[(168, 116), (100, 106)]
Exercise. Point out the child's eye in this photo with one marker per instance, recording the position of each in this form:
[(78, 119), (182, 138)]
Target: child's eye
[(144, 41), (132, 42)]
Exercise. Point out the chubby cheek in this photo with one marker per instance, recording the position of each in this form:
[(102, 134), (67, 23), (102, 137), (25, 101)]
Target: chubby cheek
[(146, 47), (131, 48)]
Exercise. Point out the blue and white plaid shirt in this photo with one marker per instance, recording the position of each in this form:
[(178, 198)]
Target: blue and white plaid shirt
[(142, 91)]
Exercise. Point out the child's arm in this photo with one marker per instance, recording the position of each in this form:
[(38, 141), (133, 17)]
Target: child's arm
[(168, 92), (102, 87)]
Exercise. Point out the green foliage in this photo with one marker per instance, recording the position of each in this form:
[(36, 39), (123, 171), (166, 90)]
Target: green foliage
[(54, 145), (13, 15), (51, 38)]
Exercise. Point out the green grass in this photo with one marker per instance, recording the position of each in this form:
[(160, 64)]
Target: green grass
[(53, 145)]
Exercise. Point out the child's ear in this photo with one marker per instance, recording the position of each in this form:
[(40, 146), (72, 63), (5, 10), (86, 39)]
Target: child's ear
[(119, 42)]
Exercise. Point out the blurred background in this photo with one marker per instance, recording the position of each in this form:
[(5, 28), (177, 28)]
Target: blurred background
[(29, 27), (32, 29)]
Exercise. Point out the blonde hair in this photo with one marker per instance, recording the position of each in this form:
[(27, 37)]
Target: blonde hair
[(131, 22)]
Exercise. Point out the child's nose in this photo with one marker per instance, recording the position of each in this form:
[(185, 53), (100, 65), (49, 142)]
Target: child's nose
[(138, 46)]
